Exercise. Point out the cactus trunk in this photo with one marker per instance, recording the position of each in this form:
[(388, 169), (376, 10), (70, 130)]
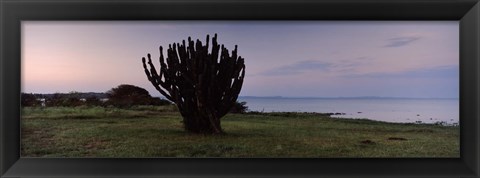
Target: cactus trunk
[(203, 85)]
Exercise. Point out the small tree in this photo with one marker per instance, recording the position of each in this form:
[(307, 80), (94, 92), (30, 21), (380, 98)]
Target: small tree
[(127, 95), (204, 85)]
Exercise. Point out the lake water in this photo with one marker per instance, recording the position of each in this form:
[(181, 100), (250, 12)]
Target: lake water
[(381, 109)]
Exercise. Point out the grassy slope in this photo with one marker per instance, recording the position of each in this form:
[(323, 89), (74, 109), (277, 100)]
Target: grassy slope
[(158, 132)]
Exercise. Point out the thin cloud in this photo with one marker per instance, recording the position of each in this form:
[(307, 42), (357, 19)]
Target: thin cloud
[(451, 71), (298, 68), (401, 41), (352, 64)]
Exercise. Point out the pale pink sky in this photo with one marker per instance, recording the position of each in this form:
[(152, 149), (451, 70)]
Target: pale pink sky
[(283, 58)]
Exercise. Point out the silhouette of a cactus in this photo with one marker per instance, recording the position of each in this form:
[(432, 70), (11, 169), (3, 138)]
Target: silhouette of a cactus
[(203, 85)]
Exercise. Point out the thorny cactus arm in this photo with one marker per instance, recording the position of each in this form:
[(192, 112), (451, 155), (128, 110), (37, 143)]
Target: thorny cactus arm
[(155, 78), (203, 85)]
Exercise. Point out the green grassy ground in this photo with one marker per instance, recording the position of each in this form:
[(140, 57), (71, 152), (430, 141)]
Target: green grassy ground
[(157, 132)]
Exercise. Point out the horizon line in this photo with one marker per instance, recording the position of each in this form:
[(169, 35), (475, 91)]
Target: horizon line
[(340, 97), (292, 97)]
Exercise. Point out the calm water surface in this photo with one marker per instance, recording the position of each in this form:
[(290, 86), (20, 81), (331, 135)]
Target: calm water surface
[(389, 110)]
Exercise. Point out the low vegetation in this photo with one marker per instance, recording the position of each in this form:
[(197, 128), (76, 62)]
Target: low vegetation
[(157, 131), (122, 96)]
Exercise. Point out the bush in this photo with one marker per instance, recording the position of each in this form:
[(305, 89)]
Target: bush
[(29, 100), (239, 107), (93, 101), (71, 102), (156, 101), (127, 95)]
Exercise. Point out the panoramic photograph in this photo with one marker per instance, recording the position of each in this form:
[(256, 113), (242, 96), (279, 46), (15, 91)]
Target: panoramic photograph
[(240, 89)]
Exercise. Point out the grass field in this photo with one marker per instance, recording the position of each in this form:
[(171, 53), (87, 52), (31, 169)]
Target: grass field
[(147, 131)]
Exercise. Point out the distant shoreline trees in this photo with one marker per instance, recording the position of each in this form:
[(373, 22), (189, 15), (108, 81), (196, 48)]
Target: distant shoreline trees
[(29, 99), (121, 96)]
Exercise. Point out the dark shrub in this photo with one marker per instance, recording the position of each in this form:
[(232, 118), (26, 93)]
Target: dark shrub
[(54, 100), (239, 107), (71, 102), (93, 101), (156, 101), (29, 100), (65, 100), (128, 95)]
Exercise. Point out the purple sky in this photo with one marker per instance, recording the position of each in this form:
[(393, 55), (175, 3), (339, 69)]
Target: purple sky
[(283, 58)]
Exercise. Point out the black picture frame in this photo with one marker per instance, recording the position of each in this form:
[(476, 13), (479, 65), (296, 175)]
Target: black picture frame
[(12, 12)]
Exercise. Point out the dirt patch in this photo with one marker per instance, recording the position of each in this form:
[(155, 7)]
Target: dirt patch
[(397, 138), (368, 142)]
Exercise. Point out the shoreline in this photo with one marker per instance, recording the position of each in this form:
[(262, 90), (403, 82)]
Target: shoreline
[(332, 115)]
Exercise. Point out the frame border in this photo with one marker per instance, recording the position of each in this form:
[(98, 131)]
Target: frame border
[(12, 12)]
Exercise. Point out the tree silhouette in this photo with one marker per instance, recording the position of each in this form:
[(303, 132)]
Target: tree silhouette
[(203, 85), (128, 95)]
